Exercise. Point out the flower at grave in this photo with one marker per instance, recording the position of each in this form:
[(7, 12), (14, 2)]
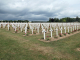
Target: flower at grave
[(47, 36), (16, 31), (65, 34), (34, 32), (25, 33), (74, 30), (60, 34)]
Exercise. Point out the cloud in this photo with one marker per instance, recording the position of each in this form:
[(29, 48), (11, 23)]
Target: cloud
[(38, 9)]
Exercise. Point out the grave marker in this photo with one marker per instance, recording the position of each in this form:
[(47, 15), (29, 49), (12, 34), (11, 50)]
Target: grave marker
[(71, 29), (25, 30), (44, 33), (65, 29), (68, 29), (8, 26), (51, 32), (56, 31), (61, 30), (77, 27)]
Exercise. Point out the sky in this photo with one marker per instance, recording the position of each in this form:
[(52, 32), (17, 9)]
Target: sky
[(38, 10)]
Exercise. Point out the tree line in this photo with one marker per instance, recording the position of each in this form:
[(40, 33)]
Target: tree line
[(15, 21), (66, 19)]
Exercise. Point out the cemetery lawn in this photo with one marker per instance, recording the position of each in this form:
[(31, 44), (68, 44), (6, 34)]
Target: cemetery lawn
[(15, 46)]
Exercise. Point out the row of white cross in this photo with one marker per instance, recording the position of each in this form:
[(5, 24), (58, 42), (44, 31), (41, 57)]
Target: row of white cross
[(60, 29), (44, 26)]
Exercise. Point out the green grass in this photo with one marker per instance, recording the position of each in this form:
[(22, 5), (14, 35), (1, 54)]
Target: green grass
[(15, 46)]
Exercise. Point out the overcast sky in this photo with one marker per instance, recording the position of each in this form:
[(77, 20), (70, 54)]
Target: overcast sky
[(38, 9)]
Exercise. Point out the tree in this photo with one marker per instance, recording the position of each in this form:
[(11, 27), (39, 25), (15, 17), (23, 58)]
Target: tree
[(10, 21), (64, 20), (77, 18), (51, 20), (56, 20), (26, 21), (68, 19), (60, 20)]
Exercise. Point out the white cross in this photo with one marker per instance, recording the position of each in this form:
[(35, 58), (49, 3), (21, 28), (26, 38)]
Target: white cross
[(0, 25), (71, 29), (51, 32), (4, 25), (8, 26), (44, 33), (38, 29), (65, 29), (54, 28), (25, 30), (21, 29), (68, 29), (32, 30), (42, 27), (56, 32), (47, 29), (61, 30), (15, 28), (77, 27)]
